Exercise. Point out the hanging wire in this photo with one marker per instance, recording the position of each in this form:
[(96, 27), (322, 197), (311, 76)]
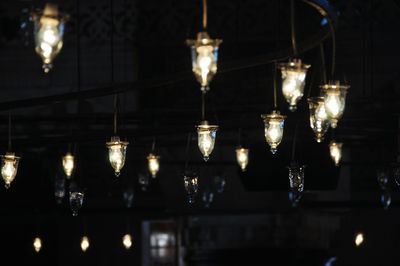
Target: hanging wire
[(294, 141), (275, 86), (333, 50), (293, 29), (9, 131), (189, 137), (239, 136), (153, 145), (323, 66), (311, 83), (203, 106), (204, 14), (78, 67), (112, 66)]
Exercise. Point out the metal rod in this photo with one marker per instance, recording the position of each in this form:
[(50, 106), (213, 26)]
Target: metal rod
[(9, 131), (239, 136), (204, 14), (293, 29), (275, 89), (115, 113), (294, 141), (153, 145), (333, 50), (321, 48), (203, 106), (187, 150)]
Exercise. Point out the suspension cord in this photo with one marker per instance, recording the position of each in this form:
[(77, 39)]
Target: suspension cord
[(293, 29), (204, 15)]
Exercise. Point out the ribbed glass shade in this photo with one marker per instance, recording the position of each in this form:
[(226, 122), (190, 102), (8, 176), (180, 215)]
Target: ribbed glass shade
[(319, 120), (335, 100), (273, 127), (9, 167), (117, 153), (206, 135)]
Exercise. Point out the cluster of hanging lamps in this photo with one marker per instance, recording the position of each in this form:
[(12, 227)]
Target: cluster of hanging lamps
[(204, 52), (49, 32), (335, 150), (9, 162), (37, 244), (153, 161)]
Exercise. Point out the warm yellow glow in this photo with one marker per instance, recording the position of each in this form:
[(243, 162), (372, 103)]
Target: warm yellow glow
[(334, 100), (9, 168), (117, 153), (85, 243), (153, 164), (293, 81), (127, 241), (274, 124), (49, 31), (204, 58), (206, 138), (335, 150), (68, 164), (359, 239), (319, 120), (242, 157), (37, 244)]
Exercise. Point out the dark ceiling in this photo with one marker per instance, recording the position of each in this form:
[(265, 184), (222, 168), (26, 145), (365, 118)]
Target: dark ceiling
[(159, 98)]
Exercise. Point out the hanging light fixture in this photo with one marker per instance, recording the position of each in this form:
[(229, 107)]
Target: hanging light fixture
[(293, 81), (242, 157), (319, 120), (274, 123), (296, 177), (85, 244), (76, 200), (204, 52), (68, 164), (49, 32), (335, 149), (117, 153), (153, 161), (191, 185), (334, 100), (37, 244), (127, 241), (9, 162)]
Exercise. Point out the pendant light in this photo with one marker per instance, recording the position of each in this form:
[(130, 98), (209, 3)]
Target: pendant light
[(153, 161), (49, 27), (127, 241), (293, 72), (190, 178), (116, 147), (335, 150), (68, 163), (85, 243), (274, 124), (206, 133), (204, 51), (319, 120), (9, 162), (334, 100), (37, 244), (296, 170), (242, 155)]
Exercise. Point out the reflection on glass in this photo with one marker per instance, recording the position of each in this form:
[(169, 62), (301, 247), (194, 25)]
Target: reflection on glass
[(75, 201), (191, 186)]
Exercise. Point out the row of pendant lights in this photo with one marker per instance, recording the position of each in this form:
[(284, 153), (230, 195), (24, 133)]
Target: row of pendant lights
[(127, 242), (325, 111)]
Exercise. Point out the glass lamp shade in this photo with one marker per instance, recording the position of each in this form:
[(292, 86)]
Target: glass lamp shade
[(117, 153), (242, 157), (319, 120), (335, 100), (68, 164), (48, 31), (386, 199), (296, 177), (37, 244), (59, 188), (127, 241), (191, 186), (85, 244), (206, 138), (335, 149), (9, 167), (274, 124), (153, 164), (382, 177), (76, 201), (204, 52), (293, 81)]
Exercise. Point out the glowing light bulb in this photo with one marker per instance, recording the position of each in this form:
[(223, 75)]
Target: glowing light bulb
[(117, 153), (154, 164), (274, 124), (335, 150), (49, 32), (204, 58), (9, 167), (37, 244), (206, 135), (359, 239), (242, 157), (334, 100), (127, 241), (293, 81), (319, 119), (85, 244), (68, 164)]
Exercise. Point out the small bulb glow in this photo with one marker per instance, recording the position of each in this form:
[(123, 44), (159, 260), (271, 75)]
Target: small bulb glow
[(68, 164), (204, 58), (206, 135), (242, 157), (293, 81), (319, 120), (154, 164), (37, 244), (127, 241), (117, 153), (334, 100), (274, 124), (359, 239), (49, 32), (335, 150), (9, 167), (85, 243)]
